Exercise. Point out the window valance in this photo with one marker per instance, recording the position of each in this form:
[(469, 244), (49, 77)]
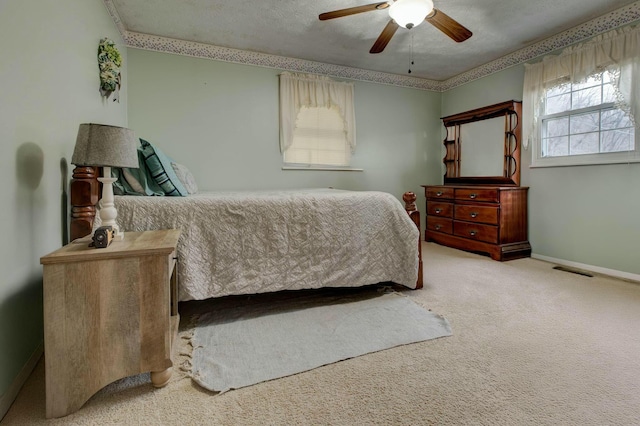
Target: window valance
[(308, 90), (616, 51)]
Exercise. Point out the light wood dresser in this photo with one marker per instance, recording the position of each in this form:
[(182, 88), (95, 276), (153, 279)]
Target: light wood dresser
[(486, 219), (108, 313)]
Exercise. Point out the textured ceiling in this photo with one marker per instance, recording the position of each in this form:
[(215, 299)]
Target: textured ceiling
[(291, 29)]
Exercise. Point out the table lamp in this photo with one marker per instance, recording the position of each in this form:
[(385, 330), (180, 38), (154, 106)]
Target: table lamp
[(99, 145)]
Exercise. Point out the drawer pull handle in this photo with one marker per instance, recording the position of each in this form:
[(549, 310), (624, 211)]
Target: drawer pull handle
[(438, 227), (438, 211), (439, 194), (473, 196), (474, 214), (473, 233)]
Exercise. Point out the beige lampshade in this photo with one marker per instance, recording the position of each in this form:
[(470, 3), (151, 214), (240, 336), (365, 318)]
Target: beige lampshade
[(102, 145)]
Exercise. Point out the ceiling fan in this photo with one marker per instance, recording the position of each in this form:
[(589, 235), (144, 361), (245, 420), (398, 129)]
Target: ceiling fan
[(407, 14)]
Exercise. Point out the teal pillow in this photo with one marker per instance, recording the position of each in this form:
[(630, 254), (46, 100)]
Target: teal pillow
[(135, 181), (159, 166), (143, 176)]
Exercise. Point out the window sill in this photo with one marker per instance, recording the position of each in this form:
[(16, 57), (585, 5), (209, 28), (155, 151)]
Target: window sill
[(585, 161), (319, 168)]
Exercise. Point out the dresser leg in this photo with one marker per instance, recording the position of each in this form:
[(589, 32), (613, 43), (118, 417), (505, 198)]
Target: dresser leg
[(161, 378), (495, 256)]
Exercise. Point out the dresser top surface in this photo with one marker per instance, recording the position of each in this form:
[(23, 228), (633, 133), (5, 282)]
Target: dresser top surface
[(478, 187)]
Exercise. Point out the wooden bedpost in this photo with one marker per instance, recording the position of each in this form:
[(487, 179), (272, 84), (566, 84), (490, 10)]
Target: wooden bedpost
[(85, 194), (410, 206)]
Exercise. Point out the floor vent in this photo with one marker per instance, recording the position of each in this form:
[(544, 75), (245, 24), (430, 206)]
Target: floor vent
[(573, 271)]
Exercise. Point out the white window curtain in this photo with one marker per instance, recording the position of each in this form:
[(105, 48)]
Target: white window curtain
[(617, 51), (308, 90)]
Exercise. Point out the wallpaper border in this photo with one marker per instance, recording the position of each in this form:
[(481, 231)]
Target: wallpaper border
[(618, 18)]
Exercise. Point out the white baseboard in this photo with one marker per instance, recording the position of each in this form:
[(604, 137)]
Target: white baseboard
[(598, 270), (10, 395)]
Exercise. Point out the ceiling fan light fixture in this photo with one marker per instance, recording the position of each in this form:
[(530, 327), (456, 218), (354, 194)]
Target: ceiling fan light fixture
[(410, 13)]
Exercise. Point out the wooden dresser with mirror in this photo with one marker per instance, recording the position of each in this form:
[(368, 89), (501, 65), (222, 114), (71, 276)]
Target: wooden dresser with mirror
[(481, 206)]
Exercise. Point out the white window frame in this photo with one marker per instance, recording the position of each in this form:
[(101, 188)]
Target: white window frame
[(539, 160), (616, 51)]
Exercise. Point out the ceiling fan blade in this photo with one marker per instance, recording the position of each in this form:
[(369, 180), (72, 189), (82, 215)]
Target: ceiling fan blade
[(384, 37), (353, 10), (448, 25)]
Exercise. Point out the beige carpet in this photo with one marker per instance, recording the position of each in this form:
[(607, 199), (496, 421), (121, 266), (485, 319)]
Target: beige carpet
[(531, 346)]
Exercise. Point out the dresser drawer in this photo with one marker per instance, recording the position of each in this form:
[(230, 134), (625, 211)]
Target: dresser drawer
[(440, 224), (480, 194), (476, 231), (440, 209), (439, 192), (489, 219), (473, 213)]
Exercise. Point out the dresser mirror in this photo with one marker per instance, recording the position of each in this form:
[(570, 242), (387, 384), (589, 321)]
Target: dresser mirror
[(481, 141), (483, 145)]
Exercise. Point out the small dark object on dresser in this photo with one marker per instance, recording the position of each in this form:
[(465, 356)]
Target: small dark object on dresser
[(103, 237)]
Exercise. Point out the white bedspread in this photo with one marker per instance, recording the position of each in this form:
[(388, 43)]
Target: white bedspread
[(255, 242)]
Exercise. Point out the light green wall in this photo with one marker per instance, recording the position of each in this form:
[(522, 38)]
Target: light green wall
[(50, 83), (584, 214), (494, 88), (221, 121)]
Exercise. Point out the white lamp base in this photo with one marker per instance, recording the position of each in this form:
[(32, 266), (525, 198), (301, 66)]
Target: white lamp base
[(108, 212)]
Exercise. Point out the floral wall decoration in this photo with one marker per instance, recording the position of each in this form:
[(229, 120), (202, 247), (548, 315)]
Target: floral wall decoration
[(109, 61)]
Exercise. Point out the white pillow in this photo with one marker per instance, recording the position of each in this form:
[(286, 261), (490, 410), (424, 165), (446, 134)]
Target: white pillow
[(186, 177)]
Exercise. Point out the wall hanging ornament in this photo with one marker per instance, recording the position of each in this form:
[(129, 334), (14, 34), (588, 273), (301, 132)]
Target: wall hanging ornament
[(109, 61)]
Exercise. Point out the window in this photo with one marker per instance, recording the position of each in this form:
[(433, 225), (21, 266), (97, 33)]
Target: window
[(581, 120), (319, 138), (579, 106), (317, 122)]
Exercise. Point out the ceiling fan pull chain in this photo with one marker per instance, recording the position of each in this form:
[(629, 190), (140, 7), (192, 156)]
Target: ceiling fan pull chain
[(411, 57)]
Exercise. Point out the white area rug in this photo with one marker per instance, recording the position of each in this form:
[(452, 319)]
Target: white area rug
[(262, 338)]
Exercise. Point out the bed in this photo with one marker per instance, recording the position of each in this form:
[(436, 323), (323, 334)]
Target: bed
[(263, 241)]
